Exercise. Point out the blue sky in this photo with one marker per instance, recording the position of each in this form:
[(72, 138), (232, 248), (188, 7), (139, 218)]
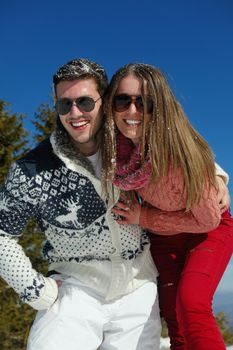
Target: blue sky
[(190, 41)]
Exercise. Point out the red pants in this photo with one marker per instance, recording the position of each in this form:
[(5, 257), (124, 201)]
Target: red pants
[(190, 268)]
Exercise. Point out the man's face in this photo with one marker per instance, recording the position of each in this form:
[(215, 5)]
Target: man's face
[(82, 126)]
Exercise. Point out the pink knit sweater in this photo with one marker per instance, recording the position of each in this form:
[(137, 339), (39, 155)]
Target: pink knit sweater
[(163, 210)]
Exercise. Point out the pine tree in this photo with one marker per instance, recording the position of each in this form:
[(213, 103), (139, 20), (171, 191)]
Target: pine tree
[(13, 144), (13, 138), (44, 122), (16, 317), (226, 330)]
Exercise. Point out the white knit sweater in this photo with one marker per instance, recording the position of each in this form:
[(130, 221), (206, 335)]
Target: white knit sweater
[(60, 189)]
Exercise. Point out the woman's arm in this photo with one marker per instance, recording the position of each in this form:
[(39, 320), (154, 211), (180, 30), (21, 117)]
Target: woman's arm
[(201, 218)]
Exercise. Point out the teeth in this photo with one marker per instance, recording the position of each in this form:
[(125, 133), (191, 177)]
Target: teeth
[(133, 122), (79, 123)]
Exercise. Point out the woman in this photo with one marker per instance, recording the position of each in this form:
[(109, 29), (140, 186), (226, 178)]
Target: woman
[(156, 152)]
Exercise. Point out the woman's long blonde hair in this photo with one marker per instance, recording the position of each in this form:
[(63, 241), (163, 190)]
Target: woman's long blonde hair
[(171, 139)]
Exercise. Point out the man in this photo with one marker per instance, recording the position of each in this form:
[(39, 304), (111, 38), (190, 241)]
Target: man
[(101, 287)]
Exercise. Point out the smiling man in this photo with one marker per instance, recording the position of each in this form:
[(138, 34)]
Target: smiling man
[(81, 122), (100, 291)]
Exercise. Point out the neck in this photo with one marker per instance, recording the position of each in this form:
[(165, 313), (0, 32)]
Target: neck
[(87, 149)]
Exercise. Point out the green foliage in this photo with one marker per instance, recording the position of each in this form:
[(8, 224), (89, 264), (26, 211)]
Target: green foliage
[(45, 122), (16, 317), (13, 138), (164, 332), (223, 324), (14, 321)]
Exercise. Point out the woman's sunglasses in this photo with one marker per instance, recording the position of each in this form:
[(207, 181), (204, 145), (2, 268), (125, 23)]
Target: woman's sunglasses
[(122, 102), (84, 103)]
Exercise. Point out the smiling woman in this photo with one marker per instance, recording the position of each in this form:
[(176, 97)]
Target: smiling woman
[(128, 105), (154, 150)]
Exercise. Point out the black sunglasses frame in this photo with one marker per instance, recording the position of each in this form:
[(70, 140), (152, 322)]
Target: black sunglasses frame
[(122, 102), (84, 103)]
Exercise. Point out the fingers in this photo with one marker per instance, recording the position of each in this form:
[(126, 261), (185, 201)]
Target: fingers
[(122, 205), (121, 209), (126, 214), (223, 195), (224, 206), (122, 222), (223, 209), (121, 212), (224, 201)]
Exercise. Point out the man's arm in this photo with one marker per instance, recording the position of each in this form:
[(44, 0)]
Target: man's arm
[(18, 203), (203, 217), (220, 172), (223, 193)]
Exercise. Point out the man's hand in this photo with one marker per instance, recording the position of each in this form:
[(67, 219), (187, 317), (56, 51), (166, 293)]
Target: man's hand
[(128, 215), (223, 194)]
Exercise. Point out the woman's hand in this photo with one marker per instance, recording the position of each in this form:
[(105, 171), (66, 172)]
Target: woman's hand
[(128, 215), (223, 194)]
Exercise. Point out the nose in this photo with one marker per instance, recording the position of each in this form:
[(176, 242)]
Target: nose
[(133, 109), (74, 109)]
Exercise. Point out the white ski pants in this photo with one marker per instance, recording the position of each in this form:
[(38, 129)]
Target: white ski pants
[(81, 319)]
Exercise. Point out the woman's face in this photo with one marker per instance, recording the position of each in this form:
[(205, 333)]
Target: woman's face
[(128, 108)]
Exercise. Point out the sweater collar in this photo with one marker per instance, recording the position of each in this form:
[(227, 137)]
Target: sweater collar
[(64, 149)]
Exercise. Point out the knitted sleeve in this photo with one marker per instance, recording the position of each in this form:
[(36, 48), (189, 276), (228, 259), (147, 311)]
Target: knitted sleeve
[(220, 172), (201, 218), (18, 202)]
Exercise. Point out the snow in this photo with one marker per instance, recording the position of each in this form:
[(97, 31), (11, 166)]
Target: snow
[(165, 344)]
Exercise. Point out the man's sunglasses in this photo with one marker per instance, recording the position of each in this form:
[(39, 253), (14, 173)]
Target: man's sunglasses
[(84, 103), (122, 102)]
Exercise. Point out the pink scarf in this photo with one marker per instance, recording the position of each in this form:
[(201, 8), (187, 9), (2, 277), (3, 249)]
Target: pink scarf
[(131, 173)]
